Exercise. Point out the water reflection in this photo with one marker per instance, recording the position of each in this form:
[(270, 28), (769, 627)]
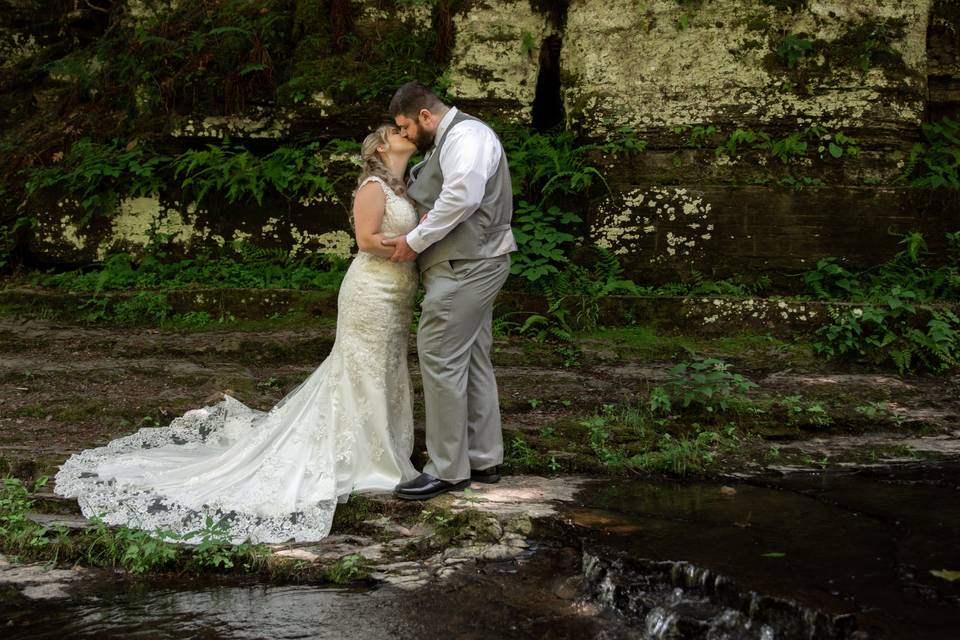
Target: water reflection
[(862, 543), (211, 614)]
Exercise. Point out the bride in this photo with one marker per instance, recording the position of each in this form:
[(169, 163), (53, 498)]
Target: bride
[(278, 475)]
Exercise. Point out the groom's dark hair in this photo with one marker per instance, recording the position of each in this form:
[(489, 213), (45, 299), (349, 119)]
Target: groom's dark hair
[(411, 98)]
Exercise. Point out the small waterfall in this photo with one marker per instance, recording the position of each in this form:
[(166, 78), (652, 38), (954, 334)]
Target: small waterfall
[(681, 600)]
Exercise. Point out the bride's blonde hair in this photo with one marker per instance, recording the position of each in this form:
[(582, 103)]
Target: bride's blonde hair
[(372, 163)]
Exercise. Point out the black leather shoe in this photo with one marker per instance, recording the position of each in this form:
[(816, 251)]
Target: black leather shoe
[(425, 486), (490, 475)]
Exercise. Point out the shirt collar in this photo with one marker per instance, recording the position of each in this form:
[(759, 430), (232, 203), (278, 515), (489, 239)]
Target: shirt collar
[(444, 125)]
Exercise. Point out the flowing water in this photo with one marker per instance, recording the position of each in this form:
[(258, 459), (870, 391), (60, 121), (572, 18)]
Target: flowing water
[(834, 555), (819, 556)]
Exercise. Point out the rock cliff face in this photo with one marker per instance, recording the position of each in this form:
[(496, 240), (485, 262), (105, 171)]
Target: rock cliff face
[(778, 131)]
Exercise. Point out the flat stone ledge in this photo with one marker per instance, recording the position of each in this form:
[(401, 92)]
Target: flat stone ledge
[(511, 505), (36, 581), (710, 315)]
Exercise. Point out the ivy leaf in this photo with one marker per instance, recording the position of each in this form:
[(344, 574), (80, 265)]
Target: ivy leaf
[(835, 150)]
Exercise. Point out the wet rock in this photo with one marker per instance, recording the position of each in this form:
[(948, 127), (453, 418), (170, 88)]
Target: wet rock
[(518, 499), (501, 552), (37, 581), (45, 592), (52, 521), (681, 600), (298, 554)]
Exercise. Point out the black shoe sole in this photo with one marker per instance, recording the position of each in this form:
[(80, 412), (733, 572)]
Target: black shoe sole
[(493, 478), (463, 484)]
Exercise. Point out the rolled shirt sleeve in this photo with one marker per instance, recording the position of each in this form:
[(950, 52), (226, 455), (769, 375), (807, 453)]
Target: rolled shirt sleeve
[(468, 158)]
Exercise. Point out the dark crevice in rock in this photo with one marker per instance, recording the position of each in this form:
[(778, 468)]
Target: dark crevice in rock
[(444, 28), (943, 61), (555, 10), (548, 102)]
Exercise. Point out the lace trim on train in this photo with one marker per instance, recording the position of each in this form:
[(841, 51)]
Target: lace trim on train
[(150, 511)]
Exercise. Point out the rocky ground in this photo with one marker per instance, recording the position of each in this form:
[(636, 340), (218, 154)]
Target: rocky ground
[(65, 387)]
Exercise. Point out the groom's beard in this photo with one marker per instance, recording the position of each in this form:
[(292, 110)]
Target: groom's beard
[(424, 140)]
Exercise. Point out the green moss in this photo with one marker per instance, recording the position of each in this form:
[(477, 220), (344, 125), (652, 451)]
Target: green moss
[(350, 516)]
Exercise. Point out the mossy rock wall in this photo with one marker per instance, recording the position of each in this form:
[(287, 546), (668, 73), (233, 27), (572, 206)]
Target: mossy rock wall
[(682, 76)]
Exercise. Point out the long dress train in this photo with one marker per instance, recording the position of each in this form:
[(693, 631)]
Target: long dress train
[(277, 475)]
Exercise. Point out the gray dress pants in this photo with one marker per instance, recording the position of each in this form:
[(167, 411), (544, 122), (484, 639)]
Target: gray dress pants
[(459, 389)]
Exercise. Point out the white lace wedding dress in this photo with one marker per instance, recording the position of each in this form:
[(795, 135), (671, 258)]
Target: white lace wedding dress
[(278, 475)]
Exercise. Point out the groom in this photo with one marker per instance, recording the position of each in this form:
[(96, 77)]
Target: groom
[(463, 192)]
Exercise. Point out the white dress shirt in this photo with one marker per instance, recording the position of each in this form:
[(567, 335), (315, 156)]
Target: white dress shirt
[(468, 158)]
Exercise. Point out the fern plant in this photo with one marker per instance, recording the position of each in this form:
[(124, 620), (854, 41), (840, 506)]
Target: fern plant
[(547, 169), (935, 164), (292, 172), (96, 175)]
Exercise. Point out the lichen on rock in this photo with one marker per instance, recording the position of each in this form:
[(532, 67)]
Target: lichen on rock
[(660, 224)]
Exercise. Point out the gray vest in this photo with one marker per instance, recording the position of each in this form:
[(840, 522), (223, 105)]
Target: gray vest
[(482, 232)]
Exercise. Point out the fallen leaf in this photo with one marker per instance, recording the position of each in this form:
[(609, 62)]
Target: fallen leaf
[(950, 576), (728, 491)]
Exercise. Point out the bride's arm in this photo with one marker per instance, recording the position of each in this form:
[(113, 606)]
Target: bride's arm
[(368, 208)]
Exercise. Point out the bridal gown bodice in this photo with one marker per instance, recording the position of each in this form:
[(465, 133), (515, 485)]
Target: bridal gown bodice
[(277, 475)]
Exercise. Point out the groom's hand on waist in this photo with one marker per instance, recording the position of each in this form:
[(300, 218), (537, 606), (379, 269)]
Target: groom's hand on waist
[(401, 250)]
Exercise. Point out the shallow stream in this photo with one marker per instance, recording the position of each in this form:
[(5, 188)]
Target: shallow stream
[(832, 555)]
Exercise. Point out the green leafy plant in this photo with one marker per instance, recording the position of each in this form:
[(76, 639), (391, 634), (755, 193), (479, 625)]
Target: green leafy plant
[(18, 532), (684, 19), (696, 136), (886, 325), (679, 455), (869, 43), (543, 243), (519, 453), (579, 289), (889, 333), (215, 549), (800, 412), (546, 169), (95, 175), (527, 44), (706, 385), (240, 265), (935, 163), (659, 401), (879, 411), (144, 307), (134, 550), (792, 146), (292, 172), (600, 441), (793, 48), (800, 182), (140, 551), (795, 145)]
